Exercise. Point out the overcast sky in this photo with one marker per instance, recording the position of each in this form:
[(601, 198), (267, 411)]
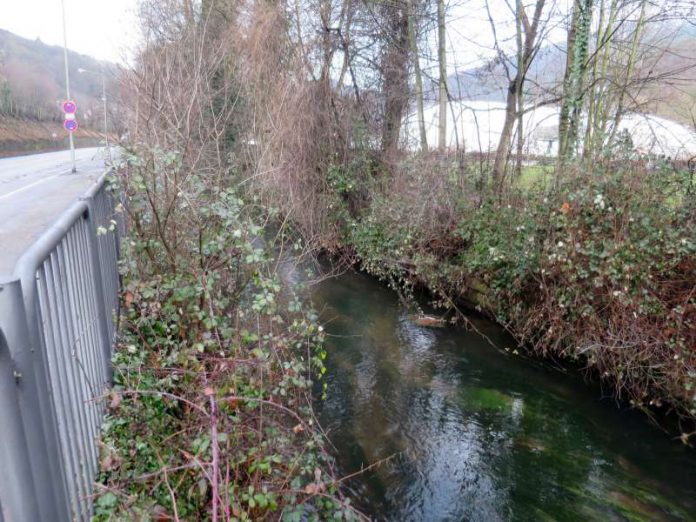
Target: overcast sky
[(103, 29), (106, 29)]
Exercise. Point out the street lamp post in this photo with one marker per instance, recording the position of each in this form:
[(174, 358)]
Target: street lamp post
[(106, 128), (67, 83), (106, 125)]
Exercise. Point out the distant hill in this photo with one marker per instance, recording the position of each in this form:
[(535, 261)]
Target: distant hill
[(489, 82), (672, 94), (32, 82)]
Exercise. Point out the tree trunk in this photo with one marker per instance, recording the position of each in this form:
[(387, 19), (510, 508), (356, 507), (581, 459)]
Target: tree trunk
[(597, 117), (630, 65), (418, 77), (395, 74), (522, 66), (564, 118), (501, 153), (582, 42), (514, 106), (442, 60), (574, 79)]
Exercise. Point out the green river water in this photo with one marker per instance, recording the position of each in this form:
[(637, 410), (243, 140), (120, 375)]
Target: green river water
[(477, 433)]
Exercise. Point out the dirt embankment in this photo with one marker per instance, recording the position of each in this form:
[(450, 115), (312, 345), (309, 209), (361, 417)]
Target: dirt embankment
[(21, 136)]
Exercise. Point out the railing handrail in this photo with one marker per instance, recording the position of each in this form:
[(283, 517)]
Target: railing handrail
[(48, 240)]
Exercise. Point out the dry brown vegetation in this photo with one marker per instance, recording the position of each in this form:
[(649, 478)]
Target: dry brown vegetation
[(211, 415)]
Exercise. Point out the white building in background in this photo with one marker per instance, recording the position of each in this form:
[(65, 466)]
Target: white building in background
[(475, 126)]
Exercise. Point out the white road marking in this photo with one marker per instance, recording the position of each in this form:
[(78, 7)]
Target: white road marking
[(30, 185)]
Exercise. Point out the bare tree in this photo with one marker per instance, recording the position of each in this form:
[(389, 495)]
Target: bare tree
[(527, 47)]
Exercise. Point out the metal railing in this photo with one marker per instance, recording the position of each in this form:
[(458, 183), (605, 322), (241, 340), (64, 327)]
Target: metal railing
[(57, 328)]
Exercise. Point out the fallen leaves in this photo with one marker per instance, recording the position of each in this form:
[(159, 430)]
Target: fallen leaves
[(115, 401), (317, 486), (128, 298), (110, 462)]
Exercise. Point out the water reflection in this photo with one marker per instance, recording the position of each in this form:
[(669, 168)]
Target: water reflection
[(476, 435)]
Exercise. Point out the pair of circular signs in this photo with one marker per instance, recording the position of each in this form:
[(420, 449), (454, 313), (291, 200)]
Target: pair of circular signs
[(70, 123)]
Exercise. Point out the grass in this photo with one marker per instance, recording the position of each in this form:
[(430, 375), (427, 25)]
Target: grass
[(533, 175)]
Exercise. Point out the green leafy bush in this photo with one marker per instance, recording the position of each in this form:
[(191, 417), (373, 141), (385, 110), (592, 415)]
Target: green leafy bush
[(601, 270)]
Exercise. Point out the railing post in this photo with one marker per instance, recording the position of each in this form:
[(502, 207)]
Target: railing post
[(99, 289), (47, 492)]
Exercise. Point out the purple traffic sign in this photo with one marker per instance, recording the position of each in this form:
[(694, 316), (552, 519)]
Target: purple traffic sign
[(69, 107), (70, 125)]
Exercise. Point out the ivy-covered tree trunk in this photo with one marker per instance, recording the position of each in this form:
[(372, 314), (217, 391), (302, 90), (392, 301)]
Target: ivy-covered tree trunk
[(574, 79)]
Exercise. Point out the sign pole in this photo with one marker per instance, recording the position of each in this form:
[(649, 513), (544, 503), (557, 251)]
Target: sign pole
[(67, 84)]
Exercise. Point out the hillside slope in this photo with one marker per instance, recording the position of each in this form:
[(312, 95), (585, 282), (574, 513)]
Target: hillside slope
[(32, 77)]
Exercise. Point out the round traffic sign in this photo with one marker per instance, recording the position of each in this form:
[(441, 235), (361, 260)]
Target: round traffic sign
[(69, 107), (70, 125)]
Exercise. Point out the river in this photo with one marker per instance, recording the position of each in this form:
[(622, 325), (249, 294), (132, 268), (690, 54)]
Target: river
[(475, 432)]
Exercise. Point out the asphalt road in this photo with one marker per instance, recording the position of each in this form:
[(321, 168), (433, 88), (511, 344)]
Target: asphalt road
[(34, 191)]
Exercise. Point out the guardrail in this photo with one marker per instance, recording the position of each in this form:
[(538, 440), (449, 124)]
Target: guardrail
[(57, 328)]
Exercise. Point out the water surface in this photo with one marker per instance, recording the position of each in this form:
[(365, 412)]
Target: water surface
[(477, 433)]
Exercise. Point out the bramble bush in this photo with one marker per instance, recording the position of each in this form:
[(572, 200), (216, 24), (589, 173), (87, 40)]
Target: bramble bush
[(210, 417)]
